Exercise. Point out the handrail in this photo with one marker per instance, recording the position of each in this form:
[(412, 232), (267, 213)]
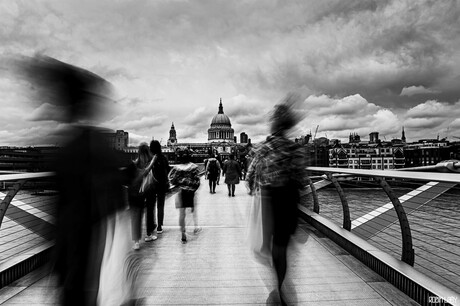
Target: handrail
[(424, 176), (21, 178), (25, 176), (432, 229)]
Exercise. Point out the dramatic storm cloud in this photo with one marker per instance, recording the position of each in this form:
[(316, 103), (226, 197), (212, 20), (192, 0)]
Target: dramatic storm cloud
[(362, 66)]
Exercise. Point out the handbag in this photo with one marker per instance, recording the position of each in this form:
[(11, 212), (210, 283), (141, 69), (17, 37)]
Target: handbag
[(260, 231), (148, 183)]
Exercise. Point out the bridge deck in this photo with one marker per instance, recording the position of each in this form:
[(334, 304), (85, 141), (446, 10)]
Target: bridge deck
[(27, 226), (215, 268)]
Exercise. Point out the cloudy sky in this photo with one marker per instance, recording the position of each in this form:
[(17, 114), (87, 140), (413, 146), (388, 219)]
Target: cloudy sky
[(360, 66)]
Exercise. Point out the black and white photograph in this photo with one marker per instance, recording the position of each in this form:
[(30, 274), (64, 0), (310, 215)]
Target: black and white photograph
[(229, 152)]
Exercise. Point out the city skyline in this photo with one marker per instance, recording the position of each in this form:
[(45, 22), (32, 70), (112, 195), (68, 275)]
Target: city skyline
[(359, 66)]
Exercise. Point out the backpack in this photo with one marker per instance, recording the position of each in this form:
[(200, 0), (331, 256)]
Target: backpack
[(160, 172), (212, 167), (273, 164)]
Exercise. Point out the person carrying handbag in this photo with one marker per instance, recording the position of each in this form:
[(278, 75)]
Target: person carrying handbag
[(138, 191), (155, 196)]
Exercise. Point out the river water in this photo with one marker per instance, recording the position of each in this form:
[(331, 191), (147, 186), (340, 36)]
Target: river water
[(434, 228)]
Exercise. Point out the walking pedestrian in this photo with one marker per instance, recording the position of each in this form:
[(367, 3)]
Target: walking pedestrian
[(155, 198), (87, 174), (212, 171), (136, 172), (277, 172), (232, 172), (186, 177)]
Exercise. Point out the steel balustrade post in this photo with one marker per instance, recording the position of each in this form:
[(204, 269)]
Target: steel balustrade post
[(343, 199), (407, 249), (314, 195), (9, 197)]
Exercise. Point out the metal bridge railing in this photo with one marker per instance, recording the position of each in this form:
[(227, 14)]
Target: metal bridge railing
[(413, 216)]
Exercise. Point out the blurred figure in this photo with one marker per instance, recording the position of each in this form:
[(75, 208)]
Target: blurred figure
[(137, 200), (247, 162), (244, 167), (212, 171), (278, 172), (219, 159), (232, 172), (186, 177), (87, 174), (205, 162), (156, 198), (249, 158)]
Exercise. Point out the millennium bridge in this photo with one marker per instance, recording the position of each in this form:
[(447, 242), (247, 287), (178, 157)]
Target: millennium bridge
[(365, 237)]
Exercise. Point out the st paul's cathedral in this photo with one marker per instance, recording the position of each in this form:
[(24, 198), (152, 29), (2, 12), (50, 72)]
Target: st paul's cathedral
[(221, 138)]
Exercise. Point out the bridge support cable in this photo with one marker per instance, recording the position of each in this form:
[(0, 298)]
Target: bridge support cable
[(407, 248), (9, 197), (346, 210)]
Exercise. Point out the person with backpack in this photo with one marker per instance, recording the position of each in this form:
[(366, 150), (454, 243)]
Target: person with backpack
[(212, 172), (155, 198)]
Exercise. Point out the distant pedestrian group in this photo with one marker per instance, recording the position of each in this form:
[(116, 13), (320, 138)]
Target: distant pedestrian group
[(149, 176), (231, 169)]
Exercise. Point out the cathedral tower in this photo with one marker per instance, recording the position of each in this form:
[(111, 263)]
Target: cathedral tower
[(172, 136)]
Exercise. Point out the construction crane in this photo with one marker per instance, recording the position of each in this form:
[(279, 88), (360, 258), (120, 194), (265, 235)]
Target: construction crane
[(314, 137)]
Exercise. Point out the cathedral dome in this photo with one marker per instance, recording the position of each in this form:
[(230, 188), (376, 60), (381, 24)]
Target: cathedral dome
[(221, 119), (221, 127)]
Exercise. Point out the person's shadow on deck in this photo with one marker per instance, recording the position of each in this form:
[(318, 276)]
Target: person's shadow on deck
[(273, 298), (289, 295)]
